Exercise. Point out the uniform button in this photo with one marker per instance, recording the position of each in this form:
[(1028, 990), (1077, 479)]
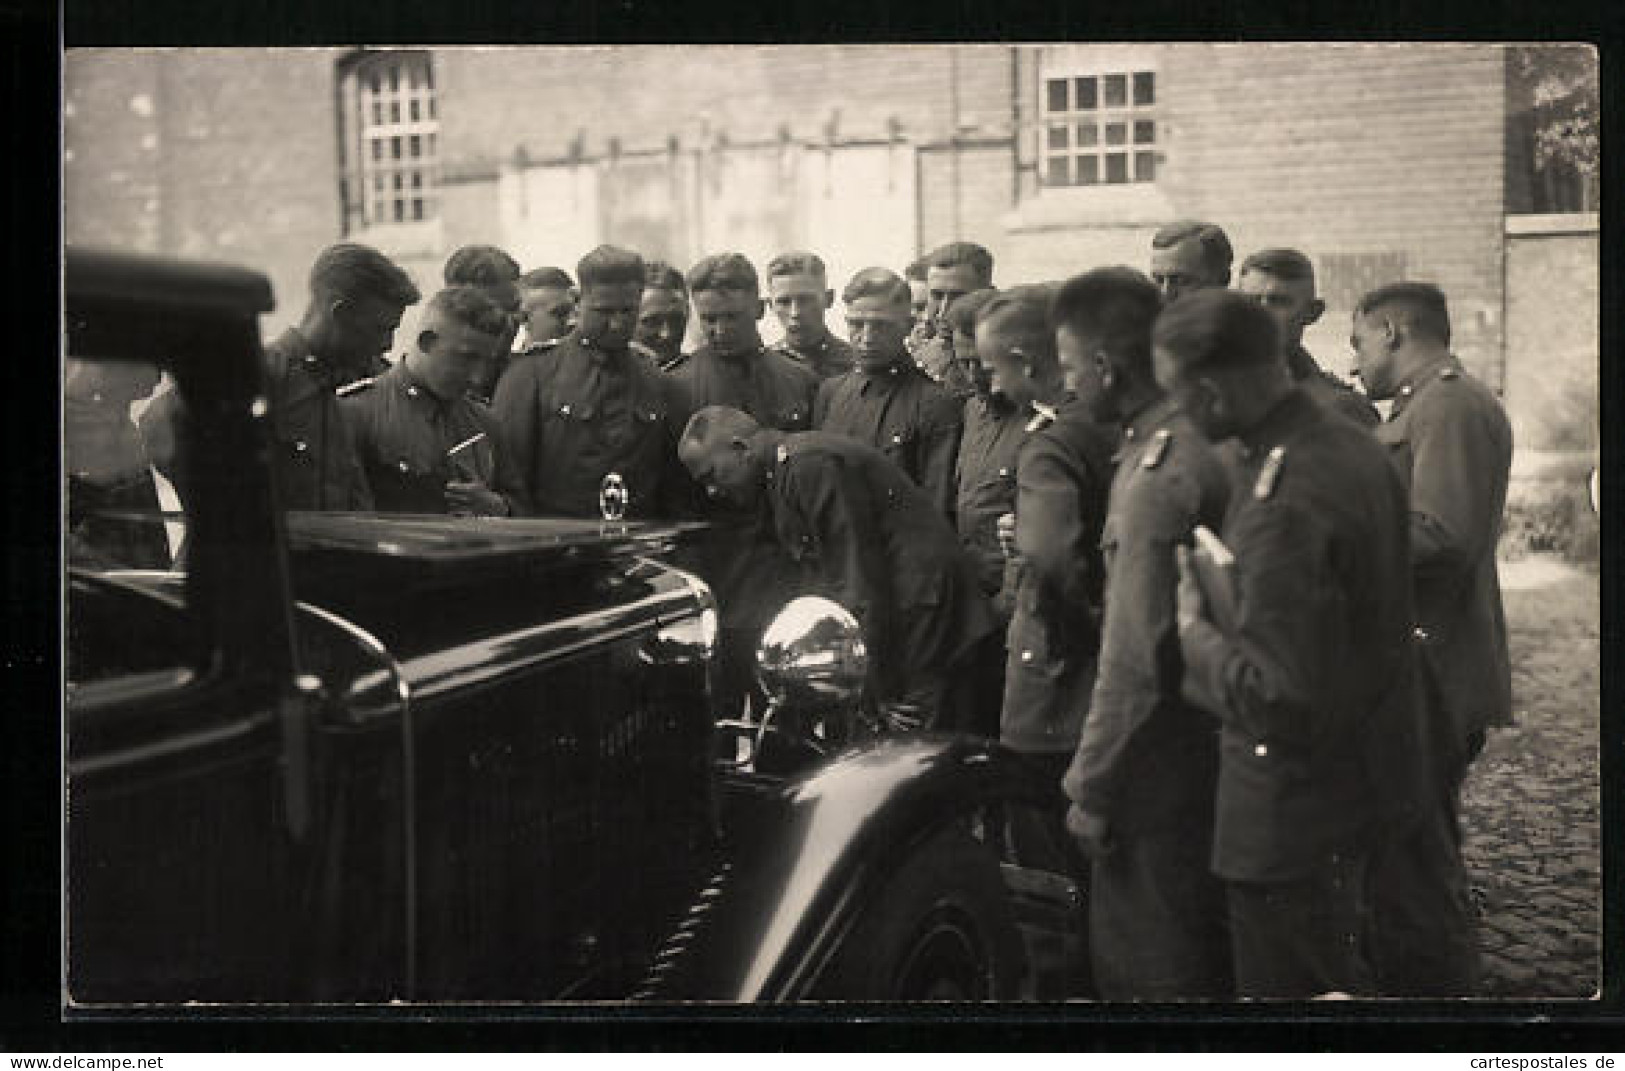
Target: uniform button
[(300, 446), (1026, 656), (564, 410), (1406, 391), (1261, 750), (1420, 633), (1004, 472), (411, 392), (897, 438), (403, 466)]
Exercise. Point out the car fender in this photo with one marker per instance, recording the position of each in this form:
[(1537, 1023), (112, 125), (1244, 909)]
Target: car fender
[(807, 855)]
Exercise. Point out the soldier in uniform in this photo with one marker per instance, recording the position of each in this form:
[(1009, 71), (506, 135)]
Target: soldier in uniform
[(985, 471), (357, 297), (1062, 477), (951, 272), (1450, 441), (871, 538), (1190, 255), (593, 407), (739, 555), (732, 367), (495, 272), (1283, 282), (1143, 777), (985, 479), (547, 309), (426, 446), (1313, 677), (662, 316), (886, 401), (798, 288)]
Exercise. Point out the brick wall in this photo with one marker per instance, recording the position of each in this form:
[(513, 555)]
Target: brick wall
[(1377, 161), (1378, 155)]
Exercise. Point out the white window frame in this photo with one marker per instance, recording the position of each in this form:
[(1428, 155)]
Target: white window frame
[(390, 131), (1062, 133)]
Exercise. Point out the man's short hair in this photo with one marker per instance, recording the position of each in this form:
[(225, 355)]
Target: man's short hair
[(480, 265), (549, 278), (1422, 305), (471, 306), (610, 265), (962, 313), (976, 257), (658, 275), (1216, 251), (1288, 265), (724, 271), (1217, 329), (882, 283), (351, 270), (718, 420), (1115, 305), (1021, 315), (796, 262), (915, 272)]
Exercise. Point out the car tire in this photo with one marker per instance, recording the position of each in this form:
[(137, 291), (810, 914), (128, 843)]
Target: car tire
[(939, 929)]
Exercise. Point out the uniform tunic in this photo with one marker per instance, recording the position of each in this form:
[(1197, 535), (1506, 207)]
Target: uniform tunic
[(314, 461), (1450, 441), (903, 414), (1316, 688), (1147, 760), (403, 431), (772, 388), (866, 531), (1063, 477), (570, 419), (1332, 393), (826, 359), (985, 478)]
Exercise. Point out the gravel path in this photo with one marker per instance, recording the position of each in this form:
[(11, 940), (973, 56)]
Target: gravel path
[(1531, 799)]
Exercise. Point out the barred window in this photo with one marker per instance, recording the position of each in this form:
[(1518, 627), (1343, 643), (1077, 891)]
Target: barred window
[(389, 130), (1099, 129)]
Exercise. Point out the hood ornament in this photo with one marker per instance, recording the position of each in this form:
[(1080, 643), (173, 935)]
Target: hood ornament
[(613, 497)]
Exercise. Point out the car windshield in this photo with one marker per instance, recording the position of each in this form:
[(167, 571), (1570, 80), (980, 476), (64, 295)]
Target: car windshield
[(122, 512)]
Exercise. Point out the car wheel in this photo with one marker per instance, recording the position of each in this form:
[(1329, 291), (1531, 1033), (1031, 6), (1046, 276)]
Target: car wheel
[(940, 928)]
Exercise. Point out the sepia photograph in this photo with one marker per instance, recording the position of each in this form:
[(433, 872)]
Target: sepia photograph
[(1081, 525)]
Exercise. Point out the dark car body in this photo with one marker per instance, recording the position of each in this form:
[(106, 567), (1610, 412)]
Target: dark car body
[(355, 757)]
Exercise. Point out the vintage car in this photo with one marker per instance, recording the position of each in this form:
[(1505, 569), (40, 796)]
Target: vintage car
[(389, 758)]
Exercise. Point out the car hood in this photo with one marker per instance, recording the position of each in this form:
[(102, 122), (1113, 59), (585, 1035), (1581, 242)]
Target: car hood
[(426, 546)]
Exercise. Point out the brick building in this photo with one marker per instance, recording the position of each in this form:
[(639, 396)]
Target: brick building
[(1380, 161)]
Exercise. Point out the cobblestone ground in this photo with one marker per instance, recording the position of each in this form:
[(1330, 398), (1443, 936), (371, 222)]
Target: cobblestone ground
[(1531, 800)]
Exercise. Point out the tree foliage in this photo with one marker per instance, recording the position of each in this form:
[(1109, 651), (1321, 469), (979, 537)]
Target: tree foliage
[(1561, 83)]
